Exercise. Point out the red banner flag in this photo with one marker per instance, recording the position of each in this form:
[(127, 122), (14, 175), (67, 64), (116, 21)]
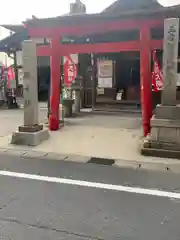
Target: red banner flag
[(157, 77), (70, 71), (10, 77)]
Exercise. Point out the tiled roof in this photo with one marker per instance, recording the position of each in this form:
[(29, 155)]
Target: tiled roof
[(13, 41), (127, 5)]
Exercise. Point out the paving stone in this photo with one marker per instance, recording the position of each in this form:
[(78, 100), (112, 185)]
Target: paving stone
[(15, 152), (55, 156), (78, 158), (35, 154)]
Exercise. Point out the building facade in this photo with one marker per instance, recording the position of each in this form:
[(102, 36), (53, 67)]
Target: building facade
[(4, 59), (132, 29)]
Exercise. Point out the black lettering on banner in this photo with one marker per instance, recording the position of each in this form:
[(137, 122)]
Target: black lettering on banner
[(171, 33)]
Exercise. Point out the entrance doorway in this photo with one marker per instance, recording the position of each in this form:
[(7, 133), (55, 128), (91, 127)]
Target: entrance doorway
[(125, 90)]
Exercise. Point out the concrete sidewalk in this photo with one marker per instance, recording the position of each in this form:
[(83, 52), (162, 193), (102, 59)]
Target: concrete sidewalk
[(84, 137)]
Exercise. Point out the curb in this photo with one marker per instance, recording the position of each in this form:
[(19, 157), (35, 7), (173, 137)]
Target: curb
[(30, 154), (168, 166), (163, 166)]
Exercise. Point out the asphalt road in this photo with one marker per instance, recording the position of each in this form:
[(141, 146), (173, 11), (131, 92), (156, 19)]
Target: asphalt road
[(38, 209)]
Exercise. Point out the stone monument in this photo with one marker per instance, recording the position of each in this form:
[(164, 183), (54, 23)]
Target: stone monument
[(164, 140), (31, 133), (77, 87)]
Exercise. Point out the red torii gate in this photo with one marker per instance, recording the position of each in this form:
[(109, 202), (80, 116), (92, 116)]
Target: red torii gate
[(145, 46)]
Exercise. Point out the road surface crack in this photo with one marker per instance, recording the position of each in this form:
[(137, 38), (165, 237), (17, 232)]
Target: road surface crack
[(52, 229), (8, 203)]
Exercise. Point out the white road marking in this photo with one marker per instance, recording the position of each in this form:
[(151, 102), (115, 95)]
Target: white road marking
[(119, 188)]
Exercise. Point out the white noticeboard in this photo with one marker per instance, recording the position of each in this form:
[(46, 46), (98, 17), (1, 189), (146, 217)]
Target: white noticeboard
[(178, 80), (20, 76), (105, 73), (100, 91)]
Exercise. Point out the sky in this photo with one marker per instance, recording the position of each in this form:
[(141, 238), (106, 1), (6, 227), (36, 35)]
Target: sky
[(51, 8)]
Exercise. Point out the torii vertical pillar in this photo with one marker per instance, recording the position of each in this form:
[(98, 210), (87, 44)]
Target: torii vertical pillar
[(54, 85), (164, 140), (145, 81)]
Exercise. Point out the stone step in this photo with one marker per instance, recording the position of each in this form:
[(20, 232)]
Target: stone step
[(120, 110), (162, 153)]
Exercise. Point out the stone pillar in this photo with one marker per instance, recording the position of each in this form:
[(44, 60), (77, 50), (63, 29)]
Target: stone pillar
[(30, 84), (77, 101), (164, 140), (170, 56), (31, 133)]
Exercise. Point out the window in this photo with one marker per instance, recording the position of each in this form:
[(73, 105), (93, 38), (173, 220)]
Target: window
[(157, 33)]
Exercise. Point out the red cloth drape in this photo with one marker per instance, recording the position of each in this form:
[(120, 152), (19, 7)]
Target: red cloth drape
[(157, 77), (10, 76)]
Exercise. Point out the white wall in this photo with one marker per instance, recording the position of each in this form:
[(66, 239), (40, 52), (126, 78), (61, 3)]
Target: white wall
[(19, 58), (178, 81), (3, 57)]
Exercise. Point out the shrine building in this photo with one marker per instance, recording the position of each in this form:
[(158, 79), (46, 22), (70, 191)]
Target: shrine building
[(125, 35)]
